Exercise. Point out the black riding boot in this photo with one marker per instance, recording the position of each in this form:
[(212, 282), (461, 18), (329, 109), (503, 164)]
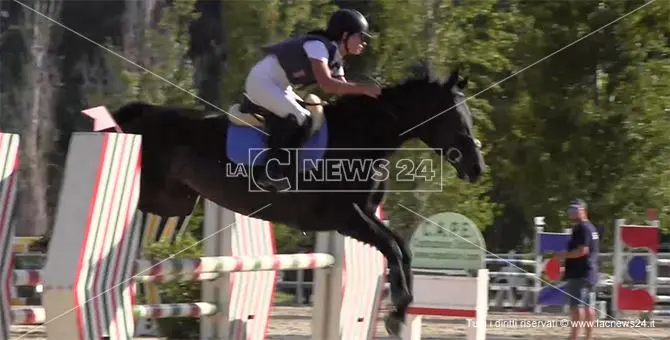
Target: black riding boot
[(282, 132)]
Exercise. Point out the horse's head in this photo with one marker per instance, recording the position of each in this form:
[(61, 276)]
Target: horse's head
[(435, 111)]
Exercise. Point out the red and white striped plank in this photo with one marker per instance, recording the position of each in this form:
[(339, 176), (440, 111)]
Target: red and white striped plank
[(248, 295), (175, 310), (37, 315), (177, 278), (252, 293), (9, 162), (87, 287), (27, 277), (347, 299), (230, 264), (363, 281), (28, 316)]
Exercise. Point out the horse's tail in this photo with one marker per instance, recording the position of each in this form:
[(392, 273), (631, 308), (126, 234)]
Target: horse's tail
[(126, 115)]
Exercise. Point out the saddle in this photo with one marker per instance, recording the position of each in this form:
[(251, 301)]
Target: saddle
[(247, 113)]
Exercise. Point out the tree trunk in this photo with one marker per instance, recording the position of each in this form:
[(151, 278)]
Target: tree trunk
[(37, 104)]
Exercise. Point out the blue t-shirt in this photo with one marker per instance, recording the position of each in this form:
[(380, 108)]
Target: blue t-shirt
[(586, 267)]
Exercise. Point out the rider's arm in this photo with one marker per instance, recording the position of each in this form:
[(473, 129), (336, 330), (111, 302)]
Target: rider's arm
[(329, 84), (318, 56), (339, 74)]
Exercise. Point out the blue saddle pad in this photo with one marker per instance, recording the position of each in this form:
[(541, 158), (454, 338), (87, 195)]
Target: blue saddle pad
[(246, 145)]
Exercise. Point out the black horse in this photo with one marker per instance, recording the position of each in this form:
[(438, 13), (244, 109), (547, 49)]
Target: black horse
[(186, 153)]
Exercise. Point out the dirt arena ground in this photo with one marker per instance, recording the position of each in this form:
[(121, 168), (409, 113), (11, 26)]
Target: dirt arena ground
[(292, 323)]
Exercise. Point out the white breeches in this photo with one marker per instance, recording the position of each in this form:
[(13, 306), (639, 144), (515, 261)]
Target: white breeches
[(268, 86)]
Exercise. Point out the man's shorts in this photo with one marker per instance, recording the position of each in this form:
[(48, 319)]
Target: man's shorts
[(580, 293)]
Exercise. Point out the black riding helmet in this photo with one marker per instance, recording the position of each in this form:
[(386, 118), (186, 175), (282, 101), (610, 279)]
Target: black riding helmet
[(348, 21)]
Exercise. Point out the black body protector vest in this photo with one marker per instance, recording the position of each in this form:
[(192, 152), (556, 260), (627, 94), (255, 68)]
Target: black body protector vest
[(293, 58)]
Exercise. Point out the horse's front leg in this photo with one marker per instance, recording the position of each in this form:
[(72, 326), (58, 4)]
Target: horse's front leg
[(364, 226), (397, 316)]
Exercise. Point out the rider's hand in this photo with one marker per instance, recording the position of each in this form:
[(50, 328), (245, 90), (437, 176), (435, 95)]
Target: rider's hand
[(372, 90)]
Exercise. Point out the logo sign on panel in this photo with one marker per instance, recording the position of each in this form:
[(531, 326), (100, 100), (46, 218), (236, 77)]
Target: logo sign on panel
[(448, 241)]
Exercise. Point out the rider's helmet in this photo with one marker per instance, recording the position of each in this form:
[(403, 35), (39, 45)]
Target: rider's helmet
[(348, 21)]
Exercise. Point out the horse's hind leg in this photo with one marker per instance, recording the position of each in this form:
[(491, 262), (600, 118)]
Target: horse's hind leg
[(367, 228)]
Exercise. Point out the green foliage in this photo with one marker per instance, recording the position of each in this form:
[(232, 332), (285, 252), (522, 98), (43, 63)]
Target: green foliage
[(589, 122), (289, 240), (195, 224), (157, 71)]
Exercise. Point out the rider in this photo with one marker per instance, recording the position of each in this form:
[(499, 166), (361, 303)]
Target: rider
[(314, 58)]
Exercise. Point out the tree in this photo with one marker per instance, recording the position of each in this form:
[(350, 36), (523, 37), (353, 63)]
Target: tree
[(31, 98), (152, 65), (588, 122)]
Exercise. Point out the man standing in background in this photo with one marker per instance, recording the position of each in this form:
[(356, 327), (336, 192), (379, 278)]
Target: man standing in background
[(581, 267)]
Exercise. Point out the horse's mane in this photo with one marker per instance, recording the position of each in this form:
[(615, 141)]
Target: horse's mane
[(423, 70), (422, 74)]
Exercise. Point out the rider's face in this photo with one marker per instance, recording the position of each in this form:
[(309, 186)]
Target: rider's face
[(355, 44)]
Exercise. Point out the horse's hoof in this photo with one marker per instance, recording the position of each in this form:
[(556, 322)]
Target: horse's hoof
[(394, 325)]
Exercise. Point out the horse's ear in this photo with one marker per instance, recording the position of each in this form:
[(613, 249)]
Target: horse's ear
[(453, 78), (421, 69), (462, 83)]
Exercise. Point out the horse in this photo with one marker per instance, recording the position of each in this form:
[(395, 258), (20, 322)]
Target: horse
[(187, 153)]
